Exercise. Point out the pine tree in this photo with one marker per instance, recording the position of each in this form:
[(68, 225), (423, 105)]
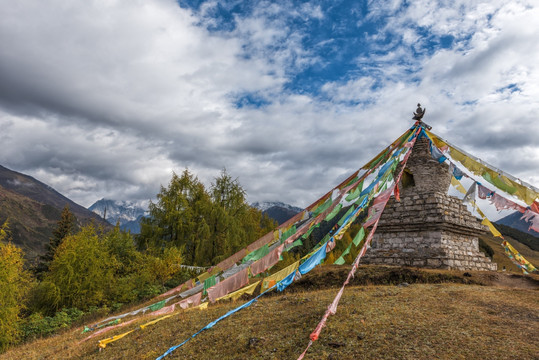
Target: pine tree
[(14, 282), (65, 226)]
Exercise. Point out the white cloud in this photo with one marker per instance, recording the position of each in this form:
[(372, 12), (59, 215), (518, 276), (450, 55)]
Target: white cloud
[(105, 99)]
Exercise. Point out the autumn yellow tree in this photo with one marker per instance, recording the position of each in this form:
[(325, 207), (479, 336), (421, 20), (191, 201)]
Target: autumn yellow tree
[(82, 270), (14, 282)]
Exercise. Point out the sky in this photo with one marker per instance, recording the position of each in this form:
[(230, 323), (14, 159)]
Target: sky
[(105, 99)]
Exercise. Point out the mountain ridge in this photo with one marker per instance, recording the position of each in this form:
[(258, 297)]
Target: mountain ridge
[(127, 213), (277, 210), (33, 209), (515, 221)]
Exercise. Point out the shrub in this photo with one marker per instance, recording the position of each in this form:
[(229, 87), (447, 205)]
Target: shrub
[(485, 248), (37, 325)]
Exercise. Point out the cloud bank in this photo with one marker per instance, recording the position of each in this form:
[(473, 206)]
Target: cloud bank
[(106, 99)]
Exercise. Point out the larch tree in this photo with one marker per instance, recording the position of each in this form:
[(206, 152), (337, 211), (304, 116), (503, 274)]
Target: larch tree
[(175, 217), (207, 226)]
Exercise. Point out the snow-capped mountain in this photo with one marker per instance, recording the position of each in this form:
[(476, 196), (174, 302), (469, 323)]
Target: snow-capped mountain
[(127, 213), (277, 210), (265, 205)]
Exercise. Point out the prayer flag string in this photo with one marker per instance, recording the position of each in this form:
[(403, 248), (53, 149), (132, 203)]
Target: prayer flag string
[(332, 308)]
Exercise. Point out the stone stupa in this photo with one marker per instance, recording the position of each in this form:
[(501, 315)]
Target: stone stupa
[(428, 227)]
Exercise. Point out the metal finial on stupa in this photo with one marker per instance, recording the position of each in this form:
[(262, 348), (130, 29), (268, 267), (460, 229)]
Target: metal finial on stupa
[(418, 114)]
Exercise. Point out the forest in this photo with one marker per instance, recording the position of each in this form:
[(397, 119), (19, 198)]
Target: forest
[(88, 271)]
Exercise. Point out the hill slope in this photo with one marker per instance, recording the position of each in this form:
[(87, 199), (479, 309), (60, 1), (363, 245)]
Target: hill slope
[(515, 221), (33, 209), (502, 260), (447, 317)]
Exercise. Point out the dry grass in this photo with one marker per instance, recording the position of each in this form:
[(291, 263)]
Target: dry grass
[(502, 260), (420, 321)]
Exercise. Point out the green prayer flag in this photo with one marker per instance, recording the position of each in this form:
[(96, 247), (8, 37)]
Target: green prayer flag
[(209, 282), (333, 212), (340, 260), (256, 254), (360, 200), (306, 235), (360, 235), (341, 221), (347, 250), (382, 156), (351, 181), (298, 242), (157, 305), (202, 277), (354, 193), (326, 238), (288, 233), (499, 183), (322, 207)]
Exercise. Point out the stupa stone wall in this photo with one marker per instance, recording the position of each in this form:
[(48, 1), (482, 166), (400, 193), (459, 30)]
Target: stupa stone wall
[(428, 227)]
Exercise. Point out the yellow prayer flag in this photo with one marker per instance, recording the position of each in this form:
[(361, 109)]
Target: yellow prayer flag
[(491, 227), (519, 258), (458, 185), (436, 140), (154, 321), (202, 306), (203, 276), (479, 211), (215, 270), (249, 289), (281, 274), (103, 343)]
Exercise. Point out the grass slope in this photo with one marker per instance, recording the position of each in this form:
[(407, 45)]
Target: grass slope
[(442, 314), (502, 260)]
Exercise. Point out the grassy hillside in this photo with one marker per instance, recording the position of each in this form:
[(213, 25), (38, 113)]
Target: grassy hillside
[(30, 222), (502, 260), (441, 314)]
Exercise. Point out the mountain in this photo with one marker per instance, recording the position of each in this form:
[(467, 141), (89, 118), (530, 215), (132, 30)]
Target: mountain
[(512, 225), (278, 211), (33, 210), (133, 226), (127, 213), (515, 221)]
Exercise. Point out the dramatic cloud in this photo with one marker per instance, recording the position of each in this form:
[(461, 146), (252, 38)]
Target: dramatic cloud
[(106, 99)]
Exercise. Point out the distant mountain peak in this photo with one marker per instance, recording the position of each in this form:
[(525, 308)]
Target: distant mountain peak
[(127, 213), (277, 210), (265, 205)]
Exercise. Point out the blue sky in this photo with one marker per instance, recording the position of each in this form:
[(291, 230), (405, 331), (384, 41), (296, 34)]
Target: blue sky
[(106, 99)]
